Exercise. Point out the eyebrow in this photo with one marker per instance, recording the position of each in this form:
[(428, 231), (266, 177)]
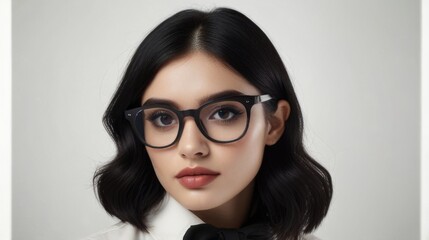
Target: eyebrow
[(211, 97)]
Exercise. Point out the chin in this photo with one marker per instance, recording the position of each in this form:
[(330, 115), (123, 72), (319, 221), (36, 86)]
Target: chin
[(197, 202)]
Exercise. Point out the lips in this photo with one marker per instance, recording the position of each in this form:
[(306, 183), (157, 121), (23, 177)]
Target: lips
[(198, 177)]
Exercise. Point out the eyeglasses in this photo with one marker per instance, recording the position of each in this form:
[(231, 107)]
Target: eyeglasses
[(222, 120)]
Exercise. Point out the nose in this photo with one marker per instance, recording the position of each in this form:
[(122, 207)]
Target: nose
[(192, 144)]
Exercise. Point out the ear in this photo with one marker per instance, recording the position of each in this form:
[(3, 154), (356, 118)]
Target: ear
[(277, 122)]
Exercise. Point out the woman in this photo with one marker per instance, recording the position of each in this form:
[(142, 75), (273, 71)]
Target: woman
[(209, 137)]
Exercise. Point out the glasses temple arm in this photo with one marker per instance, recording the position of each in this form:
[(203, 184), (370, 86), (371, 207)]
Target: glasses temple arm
[(263, 98)]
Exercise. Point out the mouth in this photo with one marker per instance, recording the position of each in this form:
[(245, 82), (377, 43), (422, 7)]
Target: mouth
[(194, 178)]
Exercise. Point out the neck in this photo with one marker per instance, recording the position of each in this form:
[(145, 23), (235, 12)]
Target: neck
[(231, 214)]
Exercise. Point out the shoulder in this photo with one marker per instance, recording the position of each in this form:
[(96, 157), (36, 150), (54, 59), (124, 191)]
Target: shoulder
[(119, 231)]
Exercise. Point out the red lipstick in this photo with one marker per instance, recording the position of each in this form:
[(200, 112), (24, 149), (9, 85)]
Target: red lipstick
[(194, 178)]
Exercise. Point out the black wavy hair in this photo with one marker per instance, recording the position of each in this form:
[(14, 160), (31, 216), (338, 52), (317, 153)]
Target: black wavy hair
[(291, 188)]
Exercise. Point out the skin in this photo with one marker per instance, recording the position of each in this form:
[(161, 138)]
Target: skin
[(224, 202)]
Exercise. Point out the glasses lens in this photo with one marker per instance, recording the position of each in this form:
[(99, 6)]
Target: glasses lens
[(225, 120), (160, 126)]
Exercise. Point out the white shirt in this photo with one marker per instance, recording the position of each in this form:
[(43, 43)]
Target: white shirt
[(169, 222)]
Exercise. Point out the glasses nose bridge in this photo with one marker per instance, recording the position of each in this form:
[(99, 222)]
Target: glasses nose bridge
[(194, 114), (190, 113)]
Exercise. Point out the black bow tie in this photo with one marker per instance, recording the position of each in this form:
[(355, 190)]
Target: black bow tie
[(209, 232)]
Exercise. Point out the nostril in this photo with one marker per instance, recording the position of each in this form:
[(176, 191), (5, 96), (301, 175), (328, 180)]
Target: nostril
[(197, 154)]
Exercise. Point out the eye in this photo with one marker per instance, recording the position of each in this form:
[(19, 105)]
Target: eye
[(162, 119), (225, 114)]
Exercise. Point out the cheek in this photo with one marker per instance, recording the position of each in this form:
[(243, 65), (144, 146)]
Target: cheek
[(253, 143), (244, 158)]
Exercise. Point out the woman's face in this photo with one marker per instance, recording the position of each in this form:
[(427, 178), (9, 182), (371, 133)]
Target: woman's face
[(228, 169)]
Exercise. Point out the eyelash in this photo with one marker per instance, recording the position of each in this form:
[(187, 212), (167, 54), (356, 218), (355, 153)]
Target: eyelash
[(230, 109), (155, 115)]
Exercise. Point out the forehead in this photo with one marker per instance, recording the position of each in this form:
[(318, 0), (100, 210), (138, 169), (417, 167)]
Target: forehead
[(193, 77)]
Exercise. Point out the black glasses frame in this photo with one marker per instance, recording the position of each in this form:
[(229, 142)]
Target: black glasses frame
[(134, 117)]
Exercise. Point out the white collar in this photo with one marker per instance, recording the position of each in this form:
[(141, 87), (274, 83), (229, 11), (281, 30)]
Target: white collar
[(171, 220)]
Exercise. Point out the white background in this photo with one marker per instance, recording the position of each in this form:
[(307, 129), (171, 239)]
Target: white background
[(355, 66)]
